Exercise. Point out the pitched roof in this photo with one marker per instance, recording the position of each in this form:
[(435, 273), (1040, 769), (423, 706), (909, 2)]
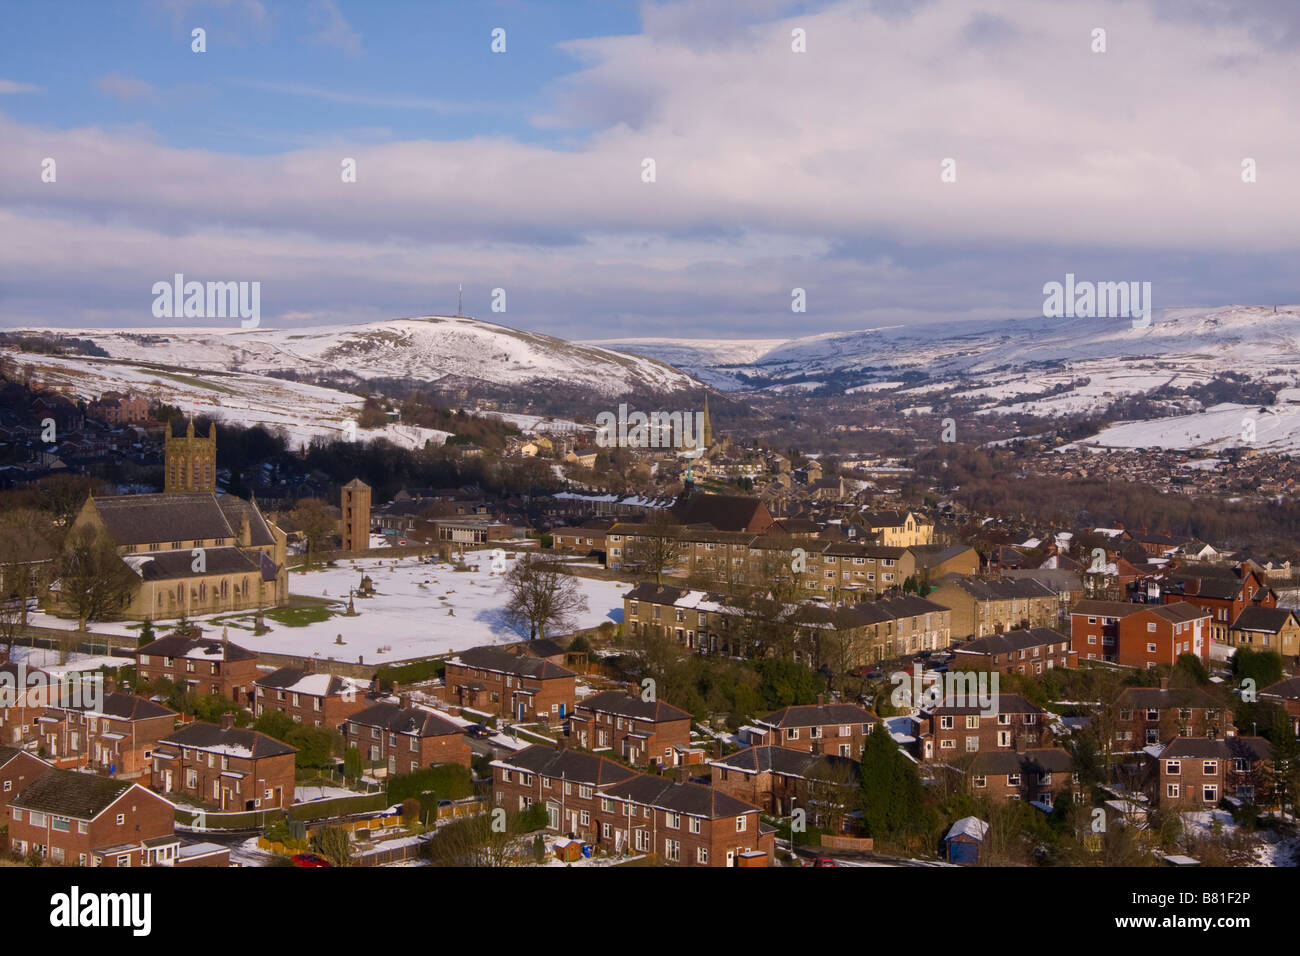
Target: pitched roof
[(786, 762), (409, 720), (8, 753), (493, 659), (71, 793), (724, 512), (1001, 589), (1107, 608), (176, 516), (693, 799), (204, 649), (302, 681), (170, 565), (1288, 689), (629, 705), (1269, 620), (1157, 698), (1042, 760), (584, 768), (232, 741), (1003, 704), (808, 715), (1195, 747), (1010, 641), (128, 707)]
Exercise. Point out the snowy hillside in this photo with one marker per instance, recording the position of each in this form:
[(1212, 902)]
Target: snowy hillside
[(430, 348), (301, 411), (1026, 355)]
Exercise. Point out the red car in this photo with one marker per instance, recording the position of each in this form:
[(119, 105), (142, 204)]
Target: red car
[(310, 859), (822, 861)]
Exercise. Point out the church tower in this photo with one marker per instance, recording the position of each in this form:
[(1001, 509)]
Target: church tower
[(190, 463), (355, 506)]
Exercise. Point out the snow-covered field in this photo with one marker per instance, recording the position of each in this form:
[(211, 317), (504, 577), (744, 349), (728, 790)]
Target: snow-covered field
[(1274, 429), (420, 610)]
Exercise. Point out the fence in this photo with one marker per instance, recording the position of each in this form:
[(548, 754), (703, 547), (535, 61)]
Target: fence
[(847, 843)]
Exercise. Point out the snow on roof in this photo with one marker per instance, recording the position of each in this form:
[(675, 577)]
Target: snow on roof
[(968, 826)]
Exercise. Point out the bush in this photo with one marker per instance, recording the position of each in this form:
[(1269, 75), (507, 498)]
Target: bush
[(448, 781)]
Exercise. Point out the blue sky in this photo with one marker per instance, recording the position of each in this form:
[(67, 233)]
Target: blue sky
[(775, 169)]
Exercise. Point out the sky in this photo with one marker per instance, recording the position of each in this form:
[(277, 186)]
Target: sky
[(524, 169)]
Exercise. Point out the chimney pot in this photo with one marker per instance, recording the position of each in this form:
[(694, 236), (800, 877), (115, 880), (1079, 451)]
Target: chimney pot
[(227, 721)]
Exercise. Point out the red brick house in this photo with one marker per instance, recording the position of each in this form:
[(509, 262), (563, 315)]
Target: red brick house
[(509, 684), (1148, 715), (837, 729), (1223, 592), (640, 732), (82, 819), (18, 768), (1195, 773), (311, 698), (564, 780), (946, 732), (118, 737), (1094, 628), (1159, 633), (1035, 776), (396, 739), (1031, 651), (223, 765), (204, 666), (778, 779), (682, 824)]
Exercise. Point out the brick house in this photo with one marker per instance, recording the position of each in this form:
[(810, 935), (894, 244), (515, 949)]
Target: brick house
[(982, 607), (1223, 592), (947, 731), (565, 780), (308, 697), (639, 731), (509, 684), (82, 819), (1035, 776), (1148, 715), (836, 729), (1159, 633), (778, 779), (223, 765), (683, 824), (1195, 773), (204, 666), (18, 768), (398, 738), (1031, 651), (1094, 628), (118, 737)]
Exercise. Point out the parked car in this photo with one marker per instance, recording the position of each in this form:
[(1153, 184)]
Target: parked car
[(310, 859), (478, 730), (822, 861)]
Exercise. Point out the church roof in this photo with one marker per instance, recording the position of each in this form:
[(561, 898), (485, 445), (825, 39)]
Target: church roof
[(180, 516)]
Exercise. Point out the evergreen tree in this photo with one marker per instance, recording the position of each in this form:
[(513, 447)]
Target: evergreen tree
[(891, 790)]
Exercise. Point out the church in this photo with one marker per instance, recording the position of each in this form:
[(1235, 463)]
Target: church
[(193, 550)]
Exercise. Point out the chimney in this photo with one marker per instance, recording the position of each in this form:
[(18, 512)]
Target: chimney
[(404, 701), (227, 721), (1164, 683), (561, 742), (821, 700)]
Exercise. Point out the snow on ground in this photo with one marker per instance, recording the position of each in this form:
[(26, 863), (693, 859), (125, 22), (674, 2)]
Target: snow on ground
[(420, 610), (1274, 429), (304, 794), (47, 659), (301, 411)]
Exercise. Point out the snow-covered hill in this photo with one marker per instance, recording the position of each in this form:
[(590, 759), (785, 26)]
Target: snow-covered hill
[(430, 348), (1035, 354)]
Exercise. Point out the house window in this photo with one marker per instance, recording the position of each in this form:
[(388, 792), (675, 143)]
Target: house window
[(981, 781), (121, 819), (1210, 768), (741, 824), (1210, 793), (1173, 767), (702, 856), (695, 825), (672, 850), (673, 821)]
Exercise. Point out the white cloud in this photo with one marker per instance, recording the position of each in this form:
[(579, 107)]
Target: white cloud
[(13, 86), (126, 88)]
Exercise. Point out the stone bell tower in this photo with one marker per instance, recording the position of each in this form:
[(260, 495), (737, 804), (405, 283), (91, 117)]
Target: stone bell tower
[(190, 463)]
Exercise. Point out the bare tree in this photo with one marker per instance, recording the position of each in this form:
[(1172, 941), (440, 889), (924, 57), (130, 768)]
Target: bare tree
[(316, 523), (542, 596), (26, 560), (657, 546), (93, 580)]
